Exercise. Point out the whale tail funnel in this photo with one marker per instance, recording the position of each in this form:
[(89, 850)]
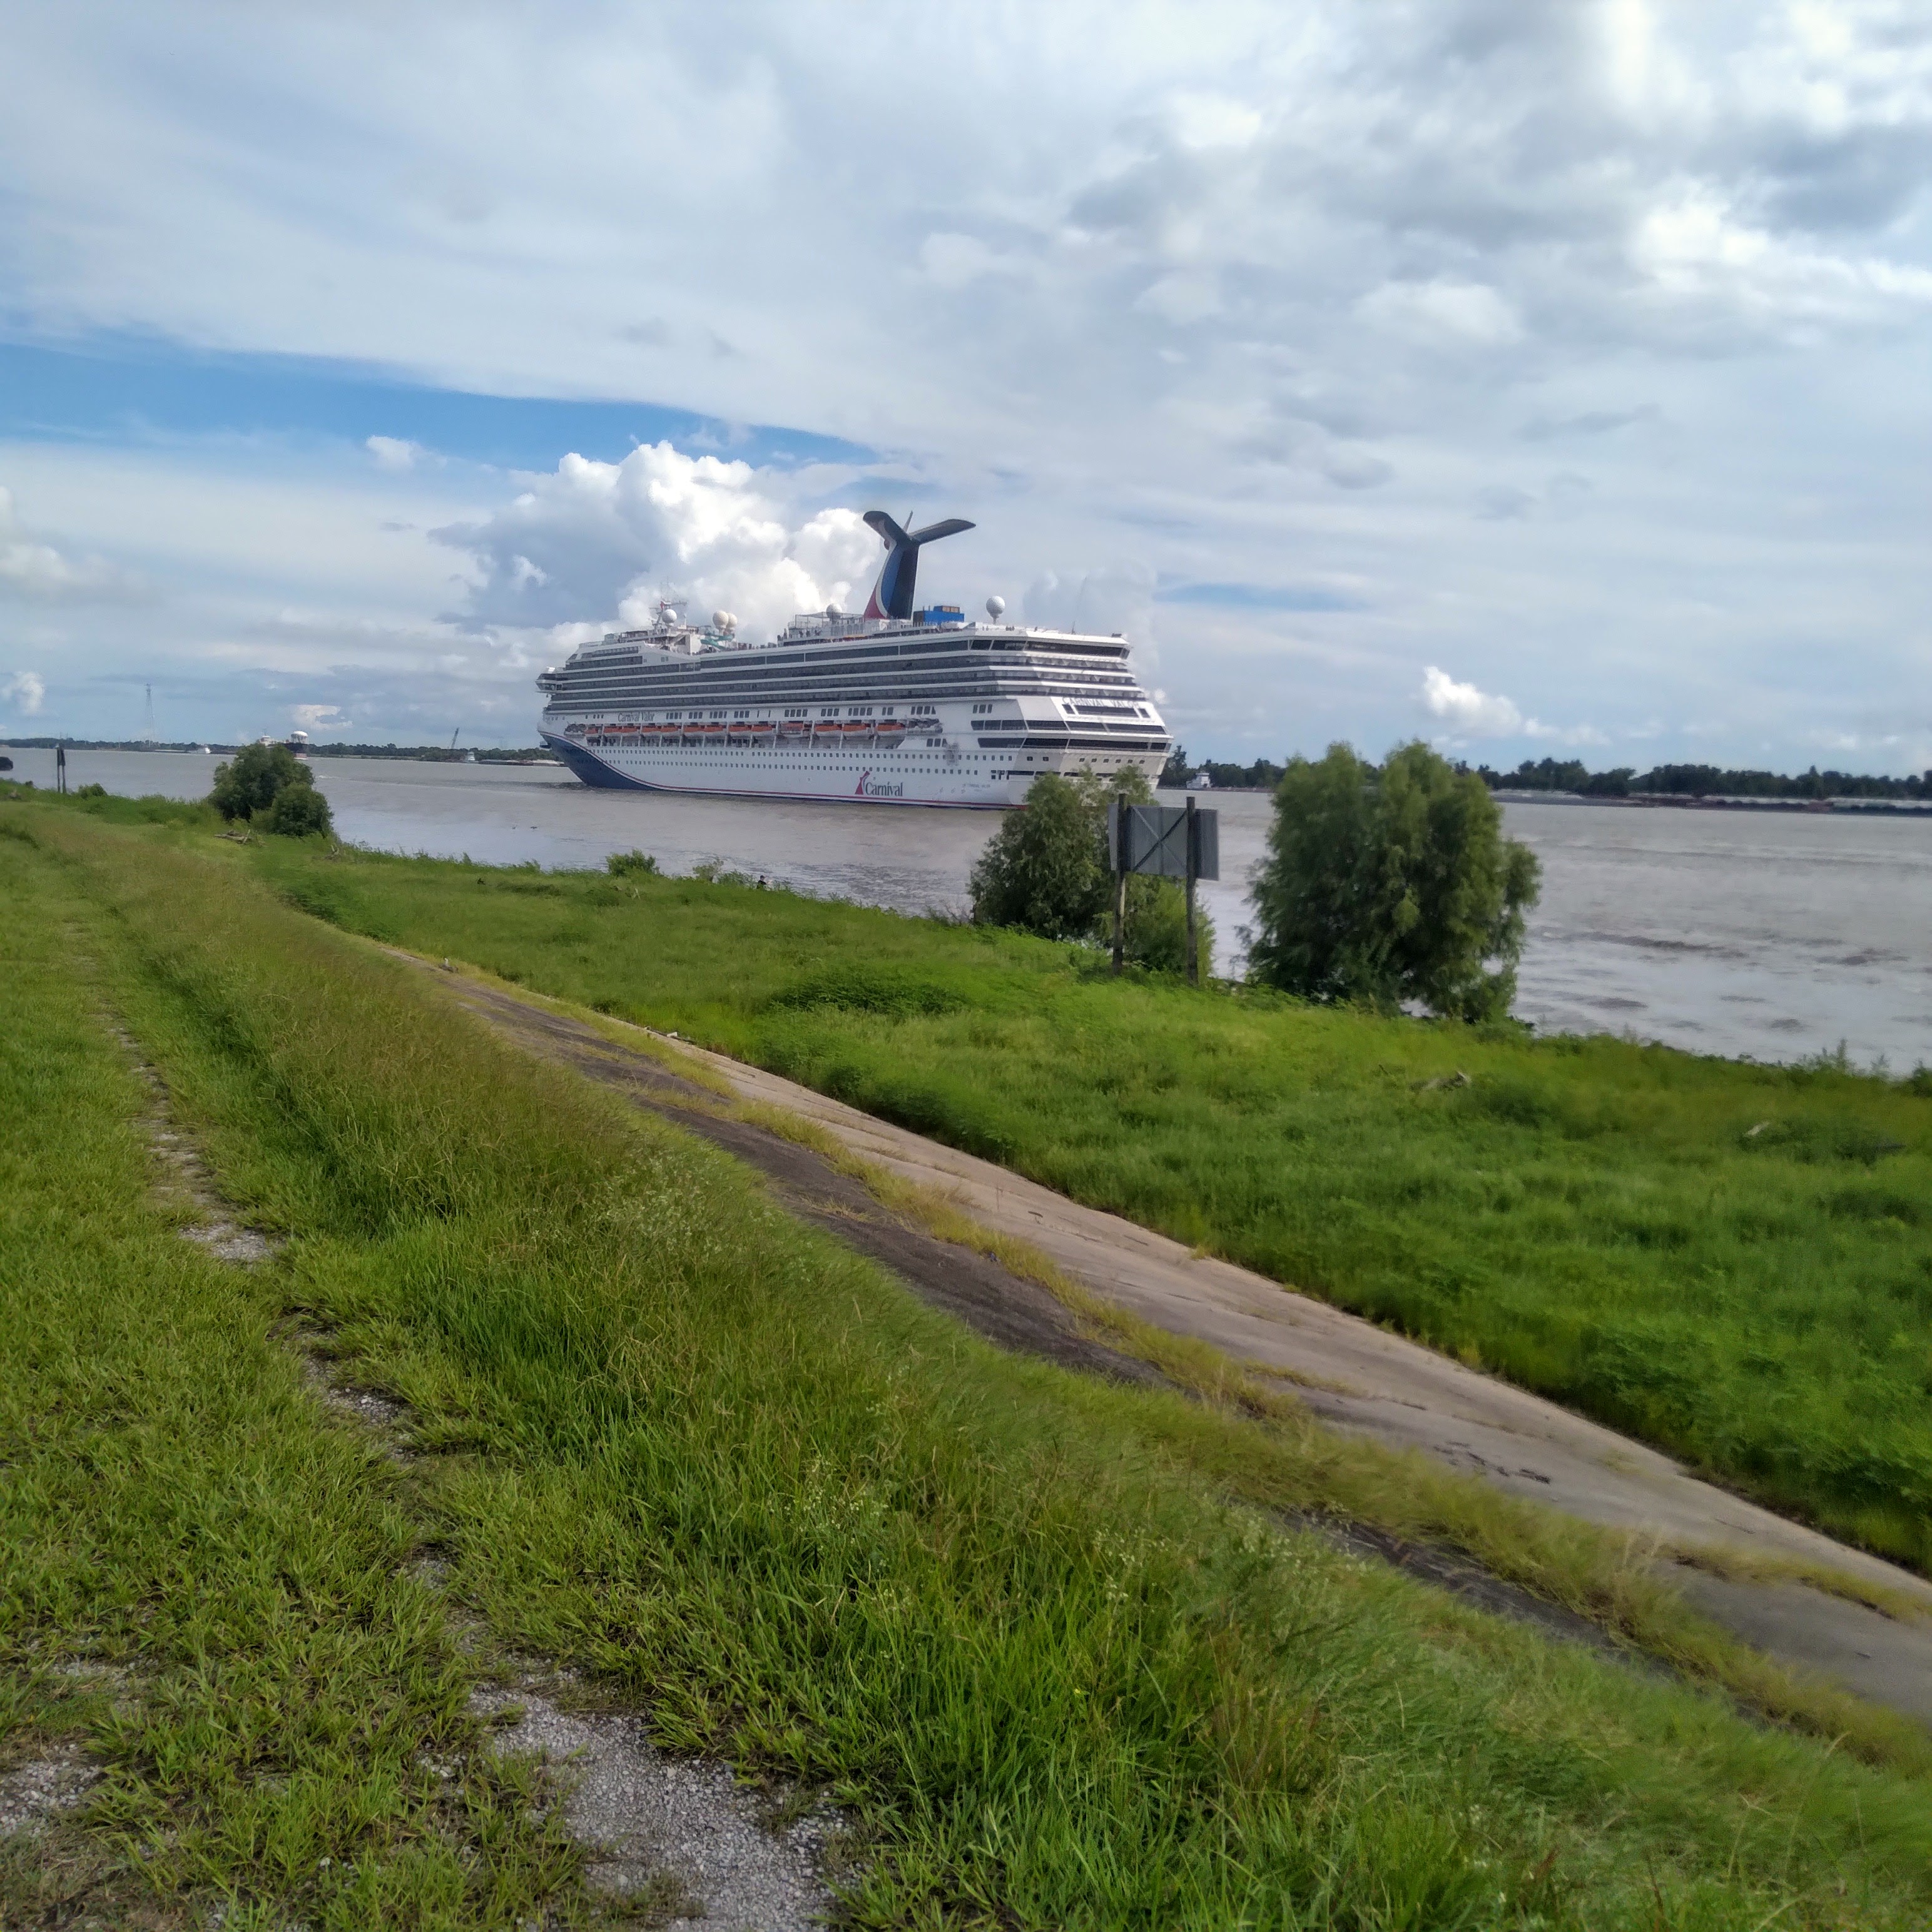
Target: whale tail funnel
[(892, 595)]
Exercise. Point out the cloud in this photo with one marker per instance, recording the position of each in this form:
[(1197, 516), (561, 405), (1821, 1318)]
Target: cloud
[(1117, 597), (952, 261), (22, 691), (33, 568), (1585, 422), (1192, 298), (394, 452), (1472, 713), (1468, 710), (1445, 310), (593, 542), (320, 718)]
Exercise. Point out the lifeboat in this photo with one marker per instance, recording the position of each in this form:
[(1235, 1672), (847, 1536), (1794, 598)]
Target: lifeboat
[(891, 730), (794, 727), (827, 731), (859, 728), (708, 730), (762, 730)]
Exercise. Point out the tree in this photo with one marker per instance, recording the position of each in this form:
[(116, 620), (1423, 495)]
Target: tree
[(1390, 886), (299, 811), (268, 785), (1045, 871)]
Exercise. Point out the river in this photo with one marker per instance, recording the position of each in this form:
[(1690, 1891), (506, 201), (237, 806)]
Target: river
[(1773, 935)]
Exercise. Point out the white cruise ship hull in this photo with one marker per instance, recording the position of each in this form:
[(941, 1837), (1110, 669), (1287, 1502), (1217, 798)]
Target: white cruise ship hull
[(844, 775)]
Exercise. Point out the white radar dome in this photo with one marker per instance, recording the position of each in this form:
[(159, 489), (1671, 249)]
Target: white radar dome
[(833, 611), (996, 608), (723, 620)]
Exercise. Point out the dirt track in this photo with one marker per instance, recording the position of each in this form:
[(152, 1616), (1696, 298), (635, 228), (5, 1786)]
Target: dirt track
[(1357, 1376)]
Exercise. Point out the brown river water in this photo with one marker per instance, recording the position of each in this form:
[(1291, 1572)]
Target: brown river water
[(1772, 935)]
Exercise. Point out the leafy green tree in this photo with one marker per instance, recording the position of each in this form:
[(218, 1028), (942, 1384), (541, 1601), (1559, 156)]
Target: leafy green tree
[(1392, 885), (299, 812), (1045, 871), (268, 785)]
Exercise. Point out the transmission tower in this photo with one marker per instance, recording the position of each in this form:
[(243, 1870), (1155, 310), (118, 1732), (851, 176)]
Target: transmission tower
[(148, 723)]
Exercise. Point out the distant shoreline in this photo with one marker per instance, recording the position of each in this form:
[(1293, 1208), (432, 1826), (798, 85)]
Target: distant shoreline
[(1686, 802), (434, 754)]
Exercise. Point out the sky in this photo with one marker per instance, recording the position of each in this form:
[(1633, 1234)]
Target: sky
[(1541, 381)]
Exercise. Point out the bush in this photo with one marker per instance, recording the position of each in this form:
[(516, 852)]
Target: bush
[(1045, 871), (1389, 886), (299, 812), (620, 864), (256, 782)]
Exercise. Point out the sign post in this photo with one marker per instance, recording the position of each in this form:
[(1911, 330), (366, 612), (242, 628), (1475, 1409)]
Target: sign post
[(1168, 841), (1193, 861)]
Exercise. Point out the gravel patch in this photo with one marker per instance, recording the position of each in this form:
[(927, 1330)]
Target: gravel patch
[(646, 1818), (33, 1793)]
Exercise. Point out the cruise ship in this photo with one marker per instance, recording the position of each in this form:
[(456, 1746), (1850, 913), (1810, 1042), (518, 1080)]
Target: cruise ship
[(899, 705)]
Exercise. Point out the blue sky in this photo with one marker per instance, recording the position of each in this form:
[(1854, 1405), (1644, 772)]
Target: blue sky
[(1531, 380)]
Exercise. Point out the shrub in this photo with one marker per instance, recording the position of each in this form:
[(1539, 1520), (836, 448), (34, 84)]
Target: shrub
[(1044, 870), (1389, 886), (620, 864), (254, 784), (299, 812)]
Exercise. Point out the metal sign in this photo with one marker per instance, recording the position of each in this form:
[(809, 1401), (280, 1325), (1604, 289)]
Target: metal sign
[(1154, 838)]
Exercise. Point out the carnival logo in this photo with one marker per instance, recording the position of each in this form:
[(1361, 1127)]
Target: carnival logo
[(867, 789)]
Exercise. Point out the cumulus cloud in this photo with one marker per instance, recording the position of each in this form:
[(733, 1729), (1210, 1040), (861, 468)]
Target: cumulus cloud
[(320, 718), (1470, 712), (32, 567), (22, 691), (595, 541)]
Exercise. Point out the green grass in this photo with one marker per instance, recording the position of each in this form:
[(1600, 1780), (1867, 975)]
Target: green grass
[(201, 1574), (1731, 1261), (737, 1476)]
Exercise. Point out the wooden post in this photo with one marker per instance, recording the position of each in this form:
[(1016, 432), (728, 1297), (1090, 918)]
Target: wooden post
[(1119, 809), (1193, 855)]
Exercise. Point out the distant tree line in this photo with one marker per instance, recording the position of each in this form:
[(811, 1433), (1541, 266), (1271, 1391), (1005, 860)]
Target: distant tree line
[(1571, 775), (1264, 774), (435, 753)]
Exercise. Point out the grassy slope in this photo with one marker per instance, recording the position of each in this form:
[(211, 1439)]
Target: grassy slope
[(729, 1468), (199, 1570), (1607, 1223)]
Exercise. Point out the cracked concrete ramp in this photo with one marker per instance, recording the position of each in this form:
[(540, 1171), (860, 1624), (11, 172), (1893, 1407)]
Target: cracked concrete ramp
[(1362, 1378)]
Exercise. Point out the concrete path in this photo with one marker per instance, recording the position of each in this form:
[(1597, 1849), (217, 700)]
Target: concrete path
[(1361, 1377)]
